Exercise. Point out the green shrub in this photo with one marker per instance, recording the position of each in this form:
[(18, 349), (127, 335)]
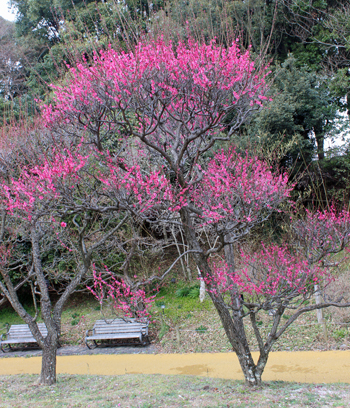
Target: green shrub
[(183, 292), (190, 291), (339, 334), (75, 319), (194, 293)]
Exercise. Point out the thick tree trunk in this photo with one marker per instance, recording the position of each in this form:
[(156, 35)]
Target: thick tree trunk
[(239, 343), (235, 332), (233, 325), (251, 375), (48, 365)]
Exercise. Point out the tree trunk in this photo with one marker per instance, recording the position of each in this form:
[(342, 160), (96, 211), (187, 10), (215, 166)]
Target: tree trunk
[(320, 146), (252, 376), (235, 333), (233, 325), (48, 365)]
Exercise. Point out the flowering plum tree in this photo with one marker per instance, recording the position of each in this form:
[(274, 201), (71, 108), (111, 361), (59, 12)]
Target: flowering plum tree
[(37, 201), (129, 301), (175, 99), (56, 204), (172, 104), (278, 279), (322, 234)]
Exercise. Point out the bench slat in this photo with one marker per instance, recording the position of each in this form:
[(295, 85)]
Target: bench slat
[(125, 329), (117, 329), (19, 341), (20, 333), (116, 326), (24, 333), (115, 336), (123, 324)]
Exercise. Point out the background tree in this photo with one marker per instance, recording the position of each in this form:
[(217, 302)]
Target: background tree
[(71, 206), (302, 107), (66, 31), (52, 203), (14, 57), (321, 32)]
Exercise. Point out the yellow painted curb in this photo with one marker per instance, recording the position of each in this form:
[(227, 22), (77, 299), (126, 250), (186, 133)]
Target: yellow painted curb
[(305, 366)]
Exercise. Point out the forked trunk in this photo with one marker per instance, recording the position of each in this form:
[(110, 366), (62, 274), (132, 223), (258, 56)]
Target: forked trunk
[(235, 333), (234, 328), (252, 372), (251, 376), (233, 324)]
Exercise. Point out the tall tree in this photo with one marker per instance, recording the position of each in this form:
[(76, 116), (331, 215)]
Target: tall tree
[(302, 107), (171, 103), (322, 39)]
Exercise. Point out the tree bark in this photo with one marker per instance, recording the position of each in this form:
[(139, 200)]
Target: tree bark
[(233, 325), (235, 332), (48, 365), (320, 146)]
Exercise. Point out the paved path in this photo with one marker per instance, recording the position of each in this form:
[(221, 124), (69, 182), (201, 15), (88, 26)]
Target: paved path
[(80, 350), (304, 366)]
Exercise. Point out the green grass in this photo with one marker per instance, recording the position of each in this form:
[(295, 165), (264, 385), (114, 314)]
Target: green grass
[(165, 391), (9, 316), (178, 307)]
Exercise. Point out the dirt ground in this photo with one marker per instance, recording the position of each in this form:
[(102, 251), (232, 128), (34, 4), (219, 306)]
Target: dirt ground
[(306, 367)]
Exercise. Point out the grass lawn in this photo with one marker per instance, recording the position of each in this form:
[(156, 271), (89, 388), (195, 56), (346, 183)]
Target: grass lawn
[(153, 391)]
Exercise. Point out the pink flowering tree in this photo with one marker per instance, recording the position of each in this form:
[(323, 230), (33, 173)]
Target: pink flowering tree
[(281, 279), (173, 105), (174, 99), (41, 206), (56, 205), (127, 300), (322, 234)]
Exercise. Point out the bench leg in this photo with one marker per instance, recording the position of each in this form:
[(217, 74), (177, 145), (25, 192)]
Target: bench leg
[(145, 341), (89, 346), (5, 348)]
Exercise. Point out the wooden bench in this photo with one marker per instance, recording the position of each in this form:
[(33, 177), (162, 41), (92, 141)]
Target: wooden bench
[(20, 334), (119, 330)]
